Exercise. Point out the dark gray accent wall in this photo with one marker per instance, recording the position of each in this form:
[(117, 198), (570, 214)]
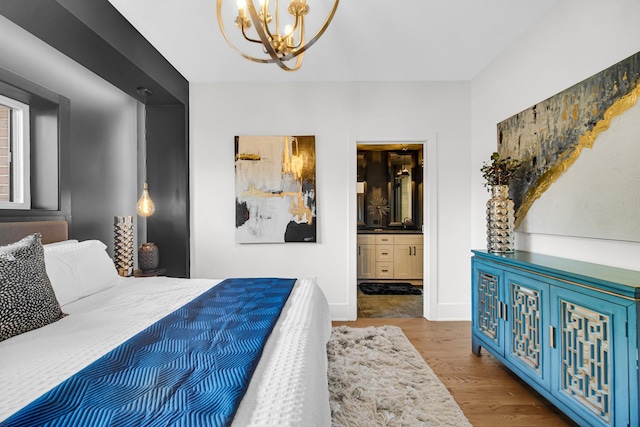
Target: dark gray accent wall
[(169, 185), (104, 158), (49, 123), (95, 145)]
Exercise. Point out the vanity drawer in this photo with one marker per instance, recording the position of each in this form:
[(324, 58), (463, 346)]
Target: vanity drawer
[(366, 239), (407, 239), (384, 270), (384, 239), (384, 252)]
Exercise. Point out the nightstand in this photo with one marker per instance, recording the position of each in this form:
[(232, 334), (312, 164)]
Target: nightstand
[(150, 273)]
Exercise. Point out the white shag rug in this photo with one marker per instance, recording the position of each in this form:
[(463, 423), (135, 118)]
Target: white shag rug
[(378, 378)]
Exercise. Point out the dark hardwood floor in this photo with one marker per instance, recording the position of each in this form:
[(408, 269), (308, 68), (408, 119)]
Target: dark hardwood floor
[(487, 392)]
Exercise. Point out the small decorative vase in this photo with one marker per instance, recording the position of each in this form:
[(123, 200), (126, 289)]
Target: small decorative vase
[(500, 220), (148, 257)]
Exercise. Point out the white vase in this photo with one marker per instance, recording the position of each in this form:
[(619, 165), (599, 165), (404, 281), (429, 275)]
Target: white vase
[(500, 220)]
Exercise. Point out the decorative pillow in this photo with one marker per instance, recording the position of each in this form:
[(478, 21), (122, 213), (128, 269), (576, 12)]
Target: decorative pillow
[(27, 300), (80, 269)]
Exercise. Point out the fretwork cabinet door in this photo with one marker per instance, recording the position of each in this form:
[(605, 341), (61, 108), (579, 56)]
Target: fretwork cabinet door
[(589, 356), (487, 307), (527, 329)]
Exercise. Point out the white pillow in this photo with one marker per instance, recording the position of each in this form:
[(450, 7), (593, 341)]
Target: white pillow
[(53, 246), (80, 269)]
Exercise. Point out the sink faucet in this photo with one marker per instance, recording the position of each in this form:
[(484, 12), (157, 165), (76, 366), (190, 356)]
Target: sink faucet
[(406, 221)]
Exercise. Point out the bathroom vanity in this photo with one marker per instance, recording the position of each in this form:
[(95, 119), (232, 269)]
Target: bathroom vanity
[(390, 255)]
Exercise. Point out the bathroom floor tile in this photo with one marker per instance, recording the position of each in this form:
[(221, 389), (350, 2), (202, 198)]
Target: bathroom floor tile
[(393, 306)]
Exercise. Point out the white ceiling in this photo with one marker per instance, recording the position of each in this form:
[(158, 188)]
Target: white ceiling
[(368, 40)]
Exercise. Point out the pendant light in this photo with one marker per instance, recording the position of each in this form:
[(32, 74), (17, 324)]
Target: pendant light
[(145, 206)]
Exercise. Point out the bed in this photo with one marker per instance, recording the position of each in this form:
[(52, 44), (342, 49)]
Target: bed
[(104, 312)]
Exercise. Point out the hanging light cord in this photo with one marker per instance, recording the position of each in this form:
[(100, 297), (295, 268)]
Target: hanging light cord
[(145, 206)]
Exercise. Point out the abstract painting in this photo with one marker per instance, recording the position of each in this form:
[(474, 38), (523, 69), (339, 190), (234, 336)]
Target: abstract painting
[(550, 136), (275, 189)]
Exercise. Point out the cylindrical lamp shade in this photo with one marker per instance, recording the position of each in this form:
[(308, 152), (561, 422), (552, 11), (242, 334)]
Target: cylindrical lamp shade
[(148, 257), (123, 245)]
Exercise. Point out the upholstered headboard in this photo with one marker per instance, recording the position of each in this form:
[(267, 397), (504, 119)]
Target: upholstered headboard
[(52, 231)]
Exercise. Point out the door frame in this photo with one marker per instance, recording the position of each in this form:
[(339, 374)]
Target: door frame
[(430, 232)]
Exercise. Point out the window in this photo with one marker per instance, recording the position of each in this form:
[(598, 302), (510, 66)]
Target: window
[(14, 154)]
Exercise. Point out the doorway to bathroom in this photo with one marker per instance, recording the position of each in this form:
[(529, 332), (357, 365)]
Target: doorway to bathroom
[(390, 241)]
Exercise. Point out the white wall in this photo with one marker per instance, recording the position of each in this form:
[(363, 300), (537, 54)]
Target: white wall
[(576, 40), (339, 115)]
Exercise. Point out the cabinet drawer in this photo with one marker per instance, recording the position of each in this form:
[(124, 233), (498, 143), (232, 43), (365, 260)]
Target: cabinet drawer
[(366, 239), (384, 253), (407, 239), (384, 270), (384, 239)]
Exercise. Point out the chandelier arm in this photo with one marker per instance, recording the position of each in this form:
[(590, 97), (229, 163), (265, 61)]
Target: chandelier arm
[(301, 38), (241, 53), (277, 16), (300, 57), (247, 38), (266, 42), (293, 29), (315, 38), (263, 22)]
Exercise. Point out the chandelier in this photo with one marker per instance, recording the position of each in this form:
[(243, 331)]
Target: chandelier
[(262, 25)]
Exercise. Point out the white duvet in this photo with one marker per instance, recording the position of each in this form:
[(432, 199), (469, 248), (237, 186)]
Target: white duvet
[(289, 386)]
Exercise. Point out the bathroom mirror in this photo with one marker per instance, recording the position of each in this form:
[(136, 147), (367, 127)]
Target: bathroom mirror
[(401, 189), (392, 172)]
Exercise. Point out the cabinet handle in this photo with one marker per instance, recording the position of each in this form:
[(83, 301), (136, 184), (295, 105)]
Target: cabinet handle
[(502, 311), (409, 250), (385, 253), (358, 250), (414, 250), (552, 337)]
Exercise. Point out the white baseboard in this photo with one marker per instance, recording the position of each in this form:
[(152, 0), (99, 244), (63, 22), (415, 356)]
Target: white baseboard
[(453, 312), (340, 312)]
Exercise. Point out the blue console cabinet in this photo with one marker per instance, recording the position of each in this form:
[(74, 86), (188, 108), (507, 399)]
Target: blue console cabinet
[(567, 328)]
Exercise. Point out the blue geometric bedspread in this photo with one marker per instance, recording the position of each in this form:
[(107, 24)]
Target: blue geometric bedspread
[(190, 368)]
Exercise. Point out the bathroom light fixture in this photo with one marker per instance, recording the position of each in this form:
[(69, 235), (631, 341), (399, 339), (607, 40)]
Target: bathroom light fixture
[(402, 172), (279, 44), (145, 206)]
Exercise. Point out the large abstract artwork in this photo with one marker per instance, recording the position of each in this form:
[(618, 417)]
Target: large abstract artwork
[(275, 189), (580, 150)]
